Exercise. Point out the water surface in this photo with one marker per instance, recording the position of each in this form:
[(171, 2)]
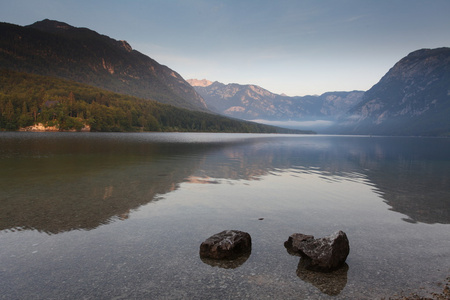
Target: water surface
[(120, 216)]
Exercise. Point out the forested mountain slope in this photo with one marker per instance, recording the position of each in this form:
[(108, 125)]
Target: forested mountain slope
[(29, 99)]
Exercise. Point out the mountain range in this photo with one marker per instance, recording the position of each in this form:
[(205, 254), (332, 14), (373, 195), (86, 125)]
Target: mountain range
[(413, 98), (251, 102), (59, 77)]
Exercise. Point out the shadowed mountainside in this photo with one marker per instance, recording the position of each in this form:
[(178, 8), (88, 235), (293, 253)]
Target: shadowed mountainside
[(54, 48), (413, 98)]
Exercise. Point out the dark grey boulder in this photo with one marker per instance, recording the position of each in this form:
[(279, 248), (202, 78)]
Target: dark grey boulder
[(293, 243), (228, 244), (325, 254)]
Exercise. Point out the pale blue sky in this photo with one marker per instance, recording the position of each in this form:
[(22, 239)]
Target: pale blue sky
[(294, 47)]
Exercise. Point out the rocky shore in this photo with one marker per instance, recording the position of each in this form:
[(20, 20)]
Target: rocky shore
[(39, 127)]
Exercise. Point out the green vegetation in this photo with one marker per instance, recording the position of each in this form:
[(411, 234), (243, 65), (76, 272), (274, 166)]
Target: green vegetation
[(27, 99)]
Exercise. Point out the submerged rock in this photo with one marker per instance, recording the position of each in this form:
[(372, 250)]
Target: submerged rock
[(228, 244), (325, 254)]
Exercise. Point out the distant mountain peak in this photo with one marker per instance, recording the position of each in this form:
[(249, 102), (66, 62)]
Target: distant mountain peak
[(252, 102), (202, 83)]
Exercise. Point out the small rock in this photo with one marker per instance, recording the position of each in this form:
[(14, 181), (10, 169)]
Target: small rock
[(325, 254), (227, 244)]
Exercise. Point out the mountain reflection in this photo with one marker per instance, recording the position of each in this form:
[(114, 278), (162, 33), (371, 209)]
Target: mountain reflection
[(410, 174), (56, 184), (84, 198)]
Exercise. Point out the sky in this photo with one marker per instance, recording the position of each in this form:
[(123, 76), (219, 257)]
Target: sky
[(293, 47)]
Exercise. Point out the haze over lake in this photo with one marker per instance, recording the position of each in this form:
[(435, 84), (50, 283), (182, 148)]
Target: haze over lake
[(109, 215)]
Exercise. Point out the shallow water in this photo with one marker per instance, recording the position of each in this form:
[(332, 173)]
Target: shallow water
[(120, 216)]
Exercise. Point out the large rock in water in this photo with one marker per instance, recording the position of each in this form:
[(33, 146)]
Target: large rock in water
[(228, 244), (325, 254)]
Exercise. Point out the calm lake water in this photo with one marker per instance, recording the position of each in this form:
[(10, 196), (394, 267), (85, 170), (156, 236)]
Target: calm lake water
[(122, 216)]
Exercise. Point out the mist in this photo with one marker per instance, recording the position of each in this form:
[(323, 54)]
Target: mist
[(315, 125)]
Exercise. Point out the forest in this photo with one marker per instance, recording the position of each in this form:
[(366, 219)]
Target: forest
[(27, 99)]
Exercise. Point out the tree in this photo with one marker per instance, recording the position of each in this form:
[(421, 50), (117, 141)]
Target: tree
[(71, 103), (9, 111)]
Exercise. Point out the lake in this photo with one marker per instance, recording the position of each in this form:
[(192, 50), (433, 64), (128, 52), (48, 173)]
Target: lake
[(122, 215)]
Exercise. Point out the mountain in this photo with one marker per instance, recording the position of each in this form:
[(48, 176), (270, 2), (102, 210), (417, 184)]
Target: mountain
[(413, 98), (54, 48), (251, 102)]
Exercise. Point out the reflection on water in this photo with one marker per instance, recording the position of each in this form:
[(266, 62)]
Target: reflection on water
[(126, 213), (65, 192), (328, 283), (412, 175), (227, 263), (55, 184)]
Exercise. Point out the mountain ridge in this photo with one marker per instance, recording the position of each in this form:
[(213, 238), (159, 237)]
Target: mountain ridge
[(252, 102)]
